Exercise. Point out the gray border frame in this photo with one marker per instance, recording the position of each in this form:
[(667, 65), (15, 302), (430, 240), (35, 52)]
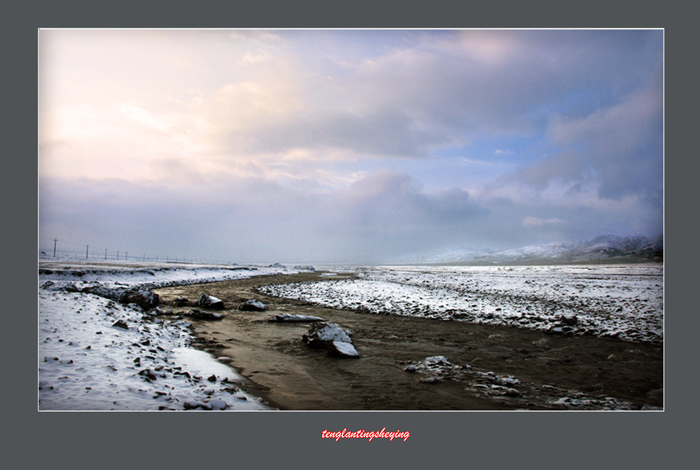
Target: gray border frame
[(549, 440)]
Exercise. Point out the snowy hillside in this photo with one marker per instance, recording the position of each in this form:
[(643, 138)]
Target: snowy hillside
[(602, 249)]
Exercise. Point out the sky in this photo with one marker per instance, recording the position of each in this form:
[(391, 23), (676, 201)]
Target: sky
[(345, 146)]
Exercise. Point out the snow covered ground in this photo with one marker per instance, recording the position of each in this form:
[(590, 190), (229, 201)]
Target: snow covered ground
[(604, 300), (96, 353)]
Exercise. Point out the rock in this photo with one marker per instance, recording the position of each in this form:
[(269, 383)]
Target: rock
[(294, 317), (143, 298), (310, 269), (148, 374), (217, 404), (196, 405), (208, 301), (331, 337), (121, 324), (202, 315), (342, 349), (253, 306), (180, 301)]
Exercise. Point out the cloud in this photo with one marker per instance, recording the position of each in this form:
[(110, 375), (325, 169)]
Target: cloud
[(348, 145), (621, 143), (142, 116), (536, 222), (380, 216), (610, 154), (430, 90)]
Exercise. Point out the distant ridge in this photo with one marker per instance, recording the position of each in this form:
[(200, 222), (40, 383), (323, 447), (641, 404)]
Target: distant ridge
[(604, 249)]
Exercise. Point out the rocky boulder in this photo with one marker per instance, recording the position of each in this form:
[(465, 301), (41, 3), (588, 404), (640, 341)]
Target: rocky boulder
[(121, 324), (253, 306), (208, 301), (331, 337), (143, 298)]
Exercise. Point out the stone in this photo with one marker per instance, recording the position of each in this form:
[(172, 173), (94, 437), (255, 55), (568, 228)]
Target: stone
[(217, 404), (253, 305), (203, 315), (121, 324), (208, 301), (148, 374), (143, 298), (294, 317), (310, 269), (331, 337)]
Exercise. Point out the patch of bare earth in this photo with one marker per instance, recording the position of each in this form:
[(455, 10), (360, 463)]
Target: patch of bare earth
[(487, 368)]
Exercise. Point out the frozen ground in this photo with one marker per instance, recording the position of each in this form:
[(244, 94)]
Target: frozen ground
[(625, 302), (96, 353)]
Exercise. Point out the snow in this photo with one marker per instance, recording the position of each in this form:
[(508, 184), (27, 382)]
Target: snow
[(633, 249), (606, 300), (332, 332), (88, 363), (333, 338), (345, 348)]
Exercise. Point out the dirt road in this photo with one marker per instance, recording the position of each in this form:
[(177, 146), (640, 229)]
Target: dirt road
[(510, 368)]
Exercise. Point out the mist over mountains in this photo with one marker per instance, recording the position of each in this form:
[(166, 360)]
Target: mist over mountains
[(604, 249)]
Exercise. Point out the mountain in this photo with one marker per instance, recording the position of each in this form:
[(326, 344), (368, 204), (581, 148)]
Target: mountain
[(600, 250), (454, 256)]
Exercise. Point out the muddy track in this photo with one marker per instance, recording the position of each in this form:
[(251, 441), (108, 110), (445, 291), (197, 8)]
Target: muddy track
[(547, 372)]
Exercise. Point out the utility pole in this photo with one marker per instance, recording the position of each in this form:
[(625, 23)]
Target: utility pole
[(126, 256), (105, 254), (54, 247), (117, 255), (87, 248)]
